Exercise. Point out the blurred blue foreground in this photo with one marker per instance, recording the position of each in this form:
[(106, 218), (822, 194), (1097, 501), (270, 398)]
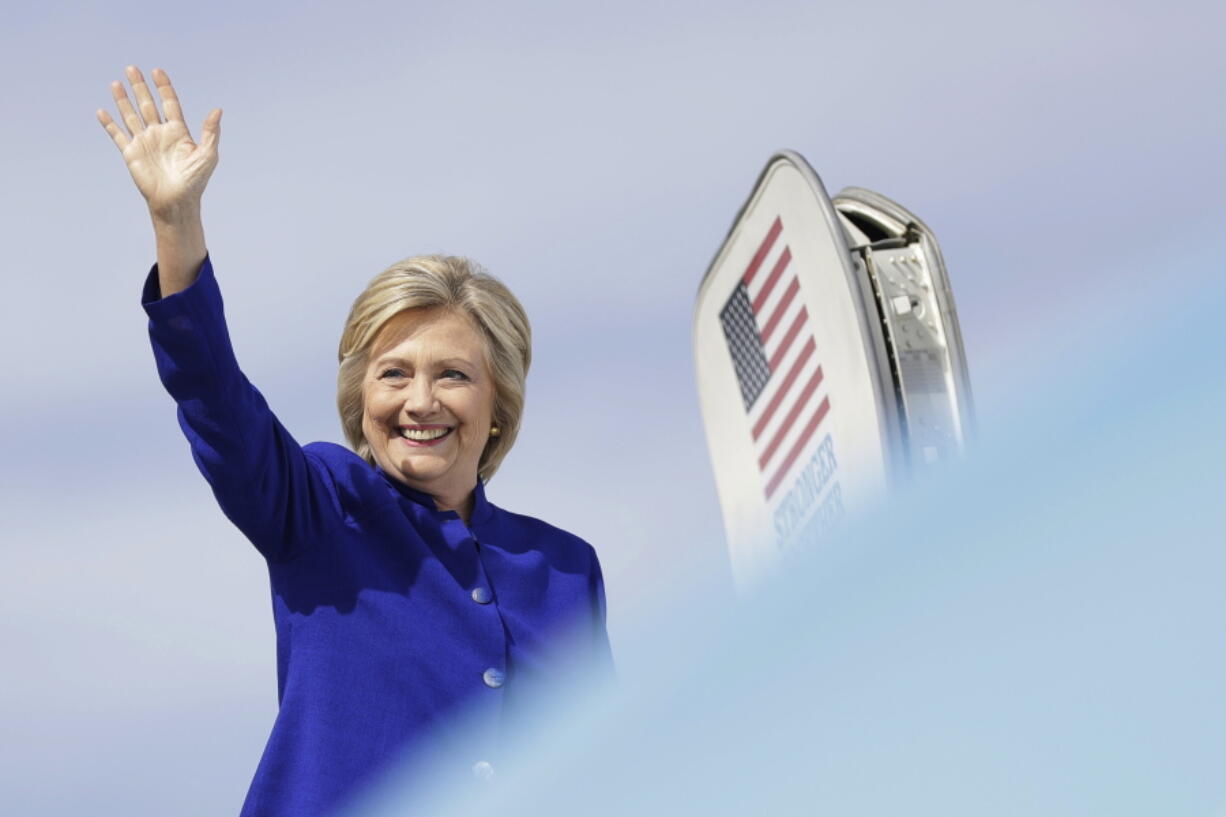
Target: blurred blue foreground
[(1037, 631)]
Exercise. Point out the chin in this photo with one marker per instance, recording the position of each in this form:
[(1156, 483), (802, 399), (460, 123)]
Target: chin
[(420, 469)]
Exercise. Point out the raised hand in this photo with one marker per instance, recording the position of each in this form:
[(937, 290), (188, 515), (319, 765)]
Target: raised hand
[(169, 168)]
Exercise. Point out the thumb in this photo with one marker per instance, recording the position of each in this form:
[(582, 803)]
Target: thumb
[(211, 131)]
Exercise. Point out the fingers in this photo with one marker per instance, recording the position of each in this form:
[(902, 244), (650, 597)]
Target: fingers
[(211, 131), (144, 99), (148, 114), (170, 100), (130, 117), (117, 135)]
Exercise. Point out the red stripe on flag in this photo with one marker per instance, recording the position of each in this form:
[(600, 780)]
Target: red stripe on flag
[(776, 271), (784, 344), (763, 250), (777, 315), (802, 400), (781, 392), (822, 411)]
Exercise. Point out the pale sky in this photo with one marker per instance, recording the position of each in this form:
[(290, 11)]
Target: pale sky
[(1068, 157)]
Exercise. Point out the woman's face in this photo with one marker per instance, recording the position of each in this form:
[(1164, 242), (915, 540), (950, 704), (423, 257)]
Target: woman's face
[(428, 401)]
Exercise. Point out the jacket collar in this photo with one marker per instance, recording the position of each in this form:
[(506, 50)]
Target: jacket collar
[(481, 508)]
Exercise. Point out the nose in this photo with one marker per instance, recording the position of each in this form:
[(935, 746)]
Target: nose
[(419, 400)]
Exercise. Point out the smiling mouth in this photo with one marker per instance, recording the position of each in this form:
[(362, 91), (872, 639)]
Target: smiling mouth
[(425, 436)]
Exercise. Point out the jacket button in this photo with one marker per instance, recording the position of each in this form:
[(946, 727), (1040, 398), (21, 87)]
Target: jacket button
[(483, 770), (494, 678), (482, 595)]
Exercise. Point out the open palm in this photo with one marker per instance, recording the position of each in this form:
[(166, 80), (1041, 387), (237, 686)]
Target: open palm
[(170, 169)]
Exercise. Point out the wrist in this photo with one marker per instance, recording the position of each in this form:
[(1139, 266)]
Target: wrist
[(180, 247), (175, 217)]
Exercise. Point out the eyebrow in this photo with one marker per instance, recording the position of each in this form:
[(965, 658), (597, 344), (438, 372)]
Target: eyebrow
[(447, 361)]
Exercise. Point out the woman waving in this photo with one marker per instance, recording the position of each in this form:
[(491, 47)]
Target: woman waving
[(401, 595)]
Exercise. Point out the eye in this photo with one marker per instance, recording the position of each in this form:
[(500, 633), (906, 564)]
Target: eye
[(391, 373), (454, 374)]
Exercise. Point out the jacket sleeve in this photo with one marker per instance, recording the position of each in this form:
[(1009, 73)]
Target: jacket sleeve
[(278, 495), (603, 652)]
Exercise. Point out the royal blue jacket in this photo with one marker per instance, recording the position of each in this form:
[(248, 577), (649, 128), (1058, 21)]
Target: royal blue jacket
[(392, 617)]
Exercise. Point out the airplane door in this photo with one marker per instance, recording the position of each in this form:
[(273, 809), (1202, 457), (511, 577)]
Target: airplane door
[(827, 357)]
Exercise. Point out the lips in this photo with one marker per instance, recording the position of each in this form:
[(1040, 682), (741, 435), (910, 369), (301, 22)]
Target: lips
[(425, 435)]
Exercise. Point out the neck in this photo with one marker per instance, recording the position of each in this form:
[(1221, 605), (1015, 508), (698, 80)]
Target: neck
[(461, 504)]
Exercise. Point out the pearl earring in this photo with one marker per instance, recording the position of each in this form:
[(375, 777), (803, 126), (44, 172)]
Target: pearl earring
[(495, 431)]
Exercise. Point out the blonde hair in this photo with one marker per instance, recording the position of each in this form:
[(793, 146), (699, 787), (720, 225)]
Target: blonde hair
[(456, 283)]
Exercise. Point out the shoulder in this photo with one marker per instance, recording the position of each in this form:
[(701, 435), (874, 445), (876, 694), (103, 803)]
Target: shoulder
[(539, 527), (559, 544), (352, 475), (334, 456)]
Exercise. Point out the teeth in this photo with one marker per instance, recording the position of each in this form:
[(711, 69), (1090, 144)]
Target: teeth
[(423, 433)]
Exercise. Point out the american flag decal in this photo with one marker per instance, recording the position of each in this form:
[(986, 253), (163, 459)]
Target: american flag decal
[(773, 351)]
